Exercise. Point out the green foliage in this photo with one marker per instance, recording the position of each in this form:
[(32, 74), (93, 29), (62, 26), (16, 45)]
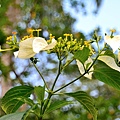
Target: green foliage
[(109, 109), (10, 102), (2, 37), (56, 105), (26, 100), (13, 116), (107, 75), (86, 101), (40, 92), (4, 7), (5, 69), (34, 109), (82, 55)]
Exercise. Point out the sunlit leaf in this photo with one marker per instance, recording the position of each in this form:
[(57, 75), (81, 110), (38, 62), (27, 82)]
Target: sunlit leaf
[(57, 105), (82, 55), (13, 116), (40, 91), (10, 102), (86, 101), (107, 75)]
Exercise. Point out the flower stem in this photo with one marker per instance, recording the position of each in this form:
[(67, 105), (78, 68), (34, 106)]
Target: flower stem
[(47, 102), (98, 47), (3, 50), (50, 93), (40, 75), (59, 70)]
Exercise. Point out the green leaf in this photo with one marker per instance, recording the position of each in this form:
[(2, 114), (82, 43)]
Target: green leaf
[(25, 100), (40, 92), (107, 75), (82, 55), (109, 53), (57, 104), (86, 101), (13, 116), (10, 102), (34, 109)]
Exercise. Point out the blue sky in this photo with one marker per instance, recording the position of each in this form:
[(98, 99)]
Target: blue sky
[(107, 18)]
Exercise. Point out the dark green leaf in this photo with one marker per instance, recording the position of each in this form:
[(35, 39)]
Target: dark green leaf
[(107, 75), (40, 91), (57, 104), (10, 102), (82, 55), (13, 116), (86, 101)]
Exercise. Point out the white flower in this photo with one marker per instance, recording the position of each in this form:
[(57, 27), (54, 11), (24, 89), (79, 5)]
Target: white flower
[(29, 47), (109, 61), (119, 56), (82, 70), (113, 42)]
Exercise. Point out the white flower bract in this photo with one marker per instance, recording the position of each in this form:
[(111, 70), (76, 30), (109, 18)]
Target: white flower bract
[(82, 70), (113, 42), (109, 61), (29, 47), (119, 56)]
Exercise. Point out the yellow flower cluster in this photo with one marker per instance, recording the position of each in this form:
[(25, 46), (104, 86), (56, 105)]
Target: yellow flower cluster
[(66, 45), (63, 46)]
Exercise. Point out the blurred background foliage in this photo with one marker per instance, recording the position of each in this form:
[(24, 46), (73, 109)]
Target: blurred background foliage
[(52, 17)]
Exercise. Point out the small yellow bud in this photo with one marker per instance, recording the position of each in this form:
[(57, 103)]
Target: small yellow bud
[(29, 30), (112, 30), (25, 37), (51, 37), (38, 30), (86, 43), (67, 34), (9, 38)]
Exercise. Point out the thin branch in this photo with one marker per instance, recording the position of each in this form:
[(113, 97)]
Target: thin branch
[(40, 75), (69, 83), (59, 70)]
